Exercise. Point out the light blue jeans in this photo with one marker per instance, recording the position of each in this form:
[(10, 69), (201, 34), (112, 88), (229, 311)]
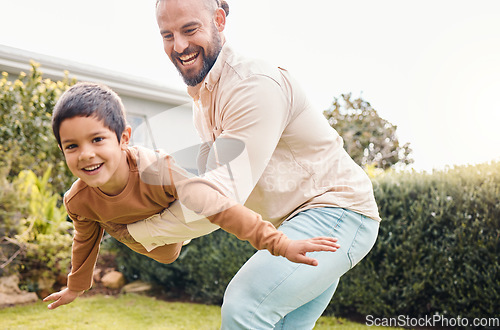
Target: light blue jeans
[(271, 292)]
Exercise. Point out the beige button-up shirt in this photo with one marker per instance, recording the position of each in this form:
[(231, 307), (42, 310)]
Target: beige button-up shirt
[(292, 160), (267, 148)]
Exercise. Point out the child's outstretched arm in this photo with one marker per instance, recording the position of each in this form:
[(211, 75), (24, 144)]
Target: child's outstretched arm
[(204, 198), (248, 225), (62, 297), (297, 250)]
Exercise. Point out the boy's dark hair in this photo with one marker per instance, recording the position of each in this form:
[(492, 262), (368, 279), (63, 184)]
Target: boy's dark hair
[(87, 99)]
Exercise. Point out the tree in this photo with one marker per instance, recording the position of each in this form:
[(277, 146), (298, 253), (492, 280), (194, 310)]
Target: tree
[(26, 139), (368, 138)]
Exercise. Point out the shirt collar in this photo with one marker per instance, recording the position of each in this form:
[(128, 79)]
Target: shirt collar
[(213, 76)]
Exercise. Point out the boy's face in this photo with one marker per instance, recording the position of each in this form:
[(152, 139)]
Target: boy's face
[(93, 153)]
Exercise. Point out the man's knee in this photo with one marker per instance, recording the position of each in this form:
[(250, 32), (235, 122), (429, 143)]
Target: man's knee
[(235, 303), (238, 307), (232, 314)]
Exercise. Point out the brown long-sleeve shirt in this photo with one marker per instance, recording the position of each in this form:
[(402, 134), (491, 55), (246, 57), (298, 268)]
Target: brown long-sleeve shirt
[(154, 183)]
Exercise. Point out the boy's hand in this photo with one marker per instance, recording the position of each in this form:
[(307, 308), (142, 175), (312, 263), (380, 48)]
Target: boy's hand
[(118, 231), (297, 250), (62, 297)]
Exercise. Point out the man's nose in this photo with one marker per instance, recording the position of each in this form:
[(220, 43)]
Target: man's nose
[(180, 44)]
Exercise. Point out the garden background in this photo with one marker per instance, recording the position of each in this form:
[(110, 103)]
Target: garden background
[(437, 252), (432, 67)]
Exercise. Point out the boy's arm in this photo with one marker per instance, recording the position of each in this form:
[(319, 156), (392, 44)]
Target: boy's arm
[(86, 242), (84, 251), (205, 198), (248, 225), (162, 228)]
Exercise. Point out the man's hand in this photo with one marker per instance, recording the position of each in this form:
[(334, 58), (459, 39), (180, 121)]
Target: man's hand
[(62, 297), (118, 231), (297, 250)]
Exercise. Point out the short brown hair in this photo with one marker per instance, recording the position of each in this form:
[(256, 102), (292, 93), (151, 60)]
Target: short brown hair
[(88, 99)]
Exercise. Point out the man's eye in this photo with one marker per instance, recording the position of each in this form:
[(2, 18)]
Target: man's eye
[(190, 31), (168, 36)]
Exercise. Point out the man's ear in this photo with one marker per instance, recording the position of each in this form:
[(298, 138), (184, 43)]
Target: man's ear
[(220, 19), (125, 138)]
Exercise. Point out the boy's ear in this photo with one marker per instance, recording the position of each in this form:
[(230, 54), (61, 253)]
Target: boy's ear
[(125, 138)]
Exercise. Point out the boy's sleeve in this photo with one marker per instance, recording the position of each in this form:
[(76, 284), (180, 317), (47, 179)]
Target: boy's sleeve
[(85, 249), (165, 254), (205, 198), (86, 241)]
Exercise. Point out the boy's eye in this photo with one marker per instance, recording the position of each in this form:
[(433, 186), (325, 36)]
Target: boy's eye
[(70, 146), (97, 139)]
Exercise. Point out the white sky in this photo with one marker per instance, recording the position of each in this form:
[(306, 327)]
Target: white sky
[(431, 67)]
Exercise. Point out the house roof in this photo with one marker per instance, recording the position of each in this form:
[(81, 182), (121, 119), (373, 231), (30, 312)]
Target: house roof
[(15, 60)]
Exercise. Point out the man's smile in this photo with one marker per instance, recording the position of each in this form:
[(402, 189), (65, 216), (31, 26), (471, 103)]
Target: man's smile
[(188, 59)]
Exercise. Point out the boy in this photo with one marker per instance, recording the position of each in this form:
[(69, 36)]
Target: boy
[(119, 184)]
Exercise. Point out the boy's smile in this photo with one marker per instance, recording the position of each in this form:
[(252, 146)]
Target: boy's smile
[(93, 153)]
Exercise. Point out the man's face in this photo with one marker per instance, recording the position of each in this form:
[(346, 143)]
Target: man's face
[(191, 36)]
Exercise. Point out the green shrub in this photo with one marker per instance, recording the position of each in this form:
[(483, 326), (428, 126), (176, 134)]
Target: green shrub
[(34, 233), (437, 250), (39, 236), (12, 210), (203, 270), (26, 139)]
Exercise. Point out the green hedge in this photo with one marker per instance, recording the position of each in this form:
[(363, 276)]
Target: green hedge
[(437, 251)]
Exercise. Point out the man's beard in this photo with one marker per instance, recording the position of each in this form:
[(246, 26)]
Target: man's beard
[(208, 59)]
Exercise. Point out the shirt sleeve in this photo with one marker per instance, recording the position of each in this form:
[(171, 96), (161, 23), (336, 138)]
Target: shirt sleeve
[(175, 224), (86, 242), (85, 248), (204, 198)]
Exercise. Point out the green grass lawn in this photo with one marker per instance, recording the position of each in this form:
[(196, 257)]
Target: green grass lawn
[(128, 312)]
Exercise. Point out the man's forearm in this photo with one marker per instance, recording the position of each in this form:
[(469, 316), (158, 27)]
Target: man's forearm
[(174, 225)]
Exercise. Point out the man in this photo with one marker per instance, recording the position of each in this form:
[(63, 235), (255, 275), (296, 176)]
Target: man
[(292, 168)]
